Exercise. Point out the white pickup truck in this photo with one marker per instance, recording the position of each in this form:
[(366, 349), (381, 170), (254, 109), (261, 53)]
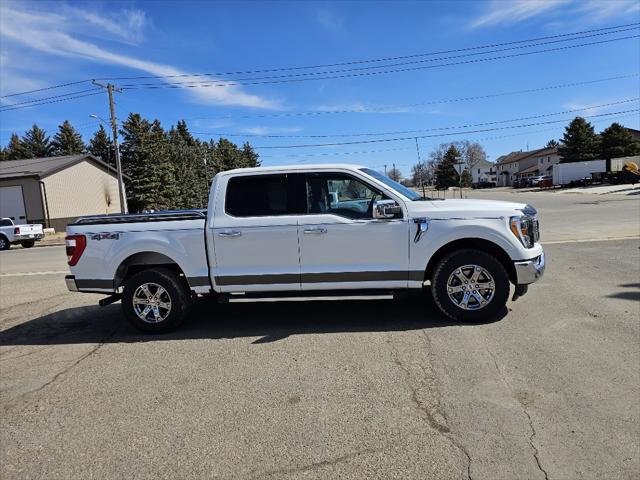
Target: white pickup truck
[(12, 234), (305, 230)]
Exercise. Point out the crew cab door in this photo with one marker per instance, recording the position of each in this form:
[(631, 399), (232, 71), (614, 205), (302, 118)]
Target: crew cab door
[(341, 245), (255, 234)]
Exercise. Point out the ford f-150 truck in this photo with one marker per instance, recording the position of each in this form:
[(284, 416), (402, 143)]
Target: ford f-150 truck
[(301, 230), (12, 234)]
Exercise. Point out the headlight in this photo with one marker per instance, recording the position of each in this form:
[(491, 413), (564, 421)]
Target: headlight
[(524, 228)]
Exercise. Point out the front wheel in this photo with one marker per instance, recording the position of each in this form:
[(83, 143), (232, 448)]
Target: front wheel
[(470, 286), (156, 300)]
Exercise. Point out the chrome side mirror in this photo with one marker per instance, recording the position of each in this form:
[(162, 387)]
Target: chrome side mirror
[(385, 209)]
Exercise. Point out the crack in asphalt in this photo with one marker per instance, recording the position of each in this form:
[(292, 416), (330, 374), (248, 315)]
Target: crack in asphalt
[(316, 465), (427, 412), (536, 452), (73, 364)]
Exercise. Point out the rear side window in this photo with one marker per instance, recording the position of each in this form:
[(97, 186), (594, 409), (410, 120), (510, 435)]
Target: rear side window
[(5, 222), (261, 196)]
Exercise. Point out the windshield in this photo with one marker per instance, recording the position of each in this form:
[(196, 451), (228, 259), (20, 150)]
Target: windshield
[(392, 184)]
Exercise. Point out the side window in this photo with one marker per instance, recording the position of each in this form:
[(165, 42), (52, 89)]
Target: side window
[(5, 222), (260, 196), (341, 195)]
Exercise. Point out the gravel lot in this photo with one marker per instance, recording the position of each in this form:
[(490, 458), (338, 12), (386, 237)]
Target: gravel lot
[(344, 389)]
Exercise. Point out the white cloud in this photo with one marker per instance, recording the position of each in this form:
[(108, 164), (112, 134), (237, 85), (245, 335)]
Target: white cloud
[(259, 130), (127, 26), (585, 12), (500, 12), (53, 34), (600, 11), (330, 21)]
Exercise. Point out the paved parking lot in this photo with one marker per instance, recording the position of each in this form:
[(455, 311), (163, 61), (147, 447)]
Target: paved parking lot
[(344, 389)]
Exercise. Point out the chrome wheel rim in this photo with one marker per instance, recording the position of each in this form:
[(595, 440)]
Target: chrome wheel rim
[(471, 287), (3, 243), (151, 302)]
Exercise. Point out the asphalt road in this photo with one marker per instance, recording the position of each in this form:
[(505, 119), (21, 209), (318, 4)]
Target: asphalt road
[(343, 389)]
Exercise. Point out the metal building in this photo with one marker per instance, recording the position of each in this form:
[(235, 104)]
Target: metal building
[(55, 191)]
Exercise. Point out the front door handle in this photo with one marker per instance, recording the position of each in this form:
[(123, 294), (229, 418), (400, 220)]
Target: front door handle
[(230, 234), (315, 231)]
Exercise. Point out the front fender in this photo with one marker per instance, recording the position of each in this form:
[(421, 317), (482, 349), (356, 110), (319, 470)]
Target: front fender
[(441, 232)]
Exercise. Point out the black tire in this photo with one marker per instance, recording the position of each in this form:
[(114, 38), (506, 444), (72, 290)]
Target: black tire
[(452, 263), (178, 294), (27, 243), (4, 243)]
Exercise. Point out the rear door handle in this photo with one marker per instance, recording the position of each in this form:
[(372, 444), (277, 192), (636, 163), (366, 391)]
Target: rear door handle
[(230, 234), (315, 231)]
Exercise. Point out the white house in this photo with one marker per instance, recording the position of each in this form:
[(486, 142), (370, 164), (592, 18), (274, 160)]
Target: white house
[(483, 172)]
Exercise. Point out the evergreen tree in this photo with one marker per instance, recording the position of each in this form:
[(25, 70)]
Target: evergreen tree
[(466, 179), (136, 156), (67, 141), (580, 142), (15, 150), (164, 188), (617, 141), (552, 143), (100, 146), (186, 156), (446, 175), (250, 157), (36, 143)]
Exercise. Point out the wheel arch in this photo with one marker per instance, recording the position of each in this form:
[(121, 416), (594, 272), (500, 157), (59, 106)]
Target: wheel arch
[(145, 260), (481, 244)]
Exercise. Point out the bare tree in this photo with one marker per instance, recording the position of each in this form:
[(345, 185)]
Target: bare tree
[(395, 174)]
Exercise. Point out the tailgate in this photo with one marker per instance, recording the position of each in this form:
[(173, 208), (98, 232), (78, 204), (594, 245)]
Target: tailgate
[(30, 229)]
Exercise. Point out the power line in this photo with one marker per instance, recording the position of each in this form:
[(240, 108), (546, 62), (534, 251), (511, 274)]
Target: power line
[(357, 142), (68, 84), (52, 97), (413, 62), (418, 104), (48, 102), (402, 132), (376, 60), (241, 82), (324, 154), (609, 30)]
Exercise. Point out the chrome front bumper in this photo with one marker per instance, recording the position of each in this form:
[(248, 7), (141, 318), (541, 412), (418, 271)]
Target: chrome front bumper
[(529, 271)]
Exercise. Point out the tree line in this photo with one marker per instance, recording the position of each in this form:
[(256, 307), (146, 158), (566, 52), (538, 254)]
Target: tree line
[(580, 142), (163, 169)]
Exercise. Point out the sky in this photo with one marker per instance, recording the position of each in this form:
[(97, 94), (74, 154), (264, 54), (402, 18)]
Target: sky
[(377, 110)]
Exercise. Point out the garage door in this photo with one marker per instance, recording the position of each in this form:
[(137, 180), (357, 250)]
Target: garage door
[(12, 204)]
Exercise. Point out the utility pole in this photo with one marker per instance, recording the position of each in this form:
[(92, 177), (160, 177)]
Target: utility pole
[(394, 169), (385, 169), (421, 170), (114, 125)]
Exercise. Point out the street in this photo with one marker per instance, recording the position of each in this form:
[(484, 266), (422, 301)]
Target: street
[(341, 389)]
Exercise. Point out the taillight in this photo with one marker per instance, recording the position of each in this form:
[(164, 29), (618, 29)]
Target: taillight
[(16, 231), (75, 246)]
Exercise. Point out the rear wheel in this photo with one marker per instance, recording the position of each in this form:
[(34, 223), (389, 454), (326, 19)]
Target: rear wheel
[(4, 243), (27, 243), (470, 286), (156, 300)]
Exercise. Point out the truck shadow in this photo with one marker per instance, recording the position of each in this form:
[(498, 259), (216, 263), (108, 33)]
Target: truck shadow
[(268, 321)]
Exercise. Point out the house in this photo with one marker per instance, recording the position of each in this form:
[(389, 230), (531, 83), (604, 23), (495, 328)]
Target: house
[(519, 165), (55, 191), (483, 172)]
